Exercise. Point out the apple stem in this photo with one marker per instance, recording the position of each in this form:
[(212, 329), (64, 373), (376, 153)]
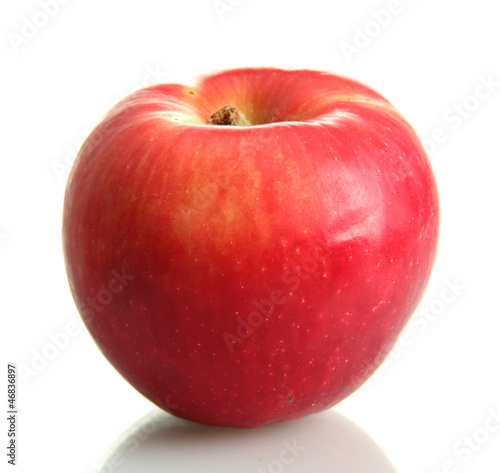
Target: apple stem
[(228, 116)]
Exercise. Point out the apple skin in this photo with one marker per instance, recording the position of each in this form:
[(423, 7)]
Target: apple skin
[(245, 275)]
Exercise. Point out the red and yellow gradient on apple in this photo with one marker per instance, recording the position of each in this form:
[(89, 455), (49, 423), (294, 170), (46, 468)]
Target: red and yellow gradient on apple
[(254, 270)]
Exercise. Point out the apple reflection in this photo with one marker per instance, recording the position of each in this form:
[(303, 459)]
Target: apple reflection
[(326, 442)]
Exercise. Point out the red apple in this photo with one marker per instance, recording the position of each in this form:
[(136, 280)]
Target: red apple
[(245, 250)]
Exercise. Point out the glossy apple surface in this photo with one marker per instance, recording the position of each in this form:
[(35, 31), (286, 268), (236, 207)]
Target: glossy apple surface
[(251, 273)]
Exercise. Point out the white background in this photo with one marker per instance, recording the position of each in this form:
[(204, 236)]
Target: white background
[(435, 404)]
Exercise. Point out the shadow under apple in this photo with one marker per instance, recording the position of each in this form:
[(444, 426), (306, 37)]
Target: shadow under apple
[(325, 442)]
